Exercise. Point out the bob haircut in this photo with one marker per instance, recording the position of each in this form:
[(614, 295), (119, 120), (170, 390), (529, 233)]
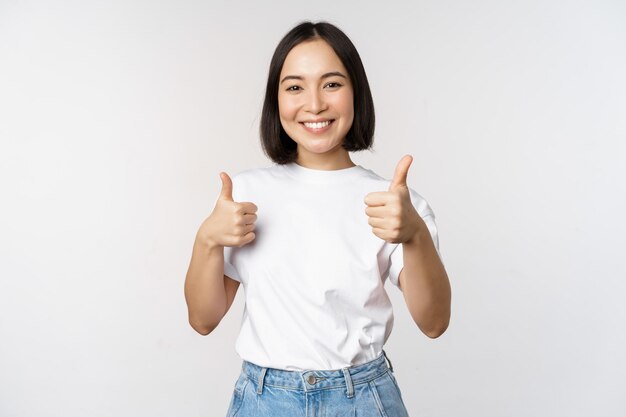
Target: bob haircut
[(277, 145)]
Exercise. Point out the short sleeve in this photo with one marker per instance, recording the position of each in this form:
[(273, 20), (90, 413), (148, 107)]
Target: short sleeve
[(229, 268), (396, 259)]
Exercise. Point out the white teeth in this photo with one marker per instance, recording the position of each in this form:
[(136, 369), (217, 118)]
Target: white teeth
[(317, 125)]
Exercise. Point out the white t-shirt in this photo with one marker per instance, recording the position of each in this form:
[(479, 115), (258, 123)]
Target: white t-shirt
[(314, 274)]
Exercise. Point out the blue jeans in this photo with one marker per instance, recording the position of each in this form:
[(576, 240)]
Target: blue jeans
[(366, 390)]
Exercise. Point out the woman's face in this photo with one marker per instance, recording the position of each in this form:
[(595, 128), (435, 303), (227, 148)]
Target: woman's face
[(315, 99)]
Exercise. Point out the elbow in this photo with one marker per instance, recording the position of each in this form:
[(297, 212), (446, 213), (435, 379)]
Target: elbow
[(435, 333), (203, 329), (435, 325), (435, 330)]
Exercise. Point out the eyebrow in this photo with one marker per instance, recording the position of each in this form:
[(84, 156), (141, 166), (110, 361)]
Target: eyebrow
[(298, 77)]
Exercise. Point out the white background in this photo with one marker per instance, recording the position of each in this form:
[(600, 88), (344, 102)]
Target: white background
[(116, 118)]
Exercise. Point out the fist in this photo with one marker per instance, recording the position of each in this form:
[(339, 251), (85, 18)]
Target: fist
[(231, 223), (391, 213)]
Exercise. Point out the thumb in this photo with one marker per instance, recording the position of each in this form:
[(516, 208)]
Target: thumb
[(227, 187), (402, 169)]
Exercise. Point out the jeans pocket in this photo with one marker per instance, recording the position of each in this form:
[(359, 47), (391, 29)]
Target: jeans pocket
[(393, 379), (237, 397), (387, 396)]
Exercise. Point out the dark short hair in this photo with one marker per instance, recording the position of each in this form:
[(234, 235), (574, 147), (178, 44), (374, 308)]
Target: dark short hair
[(277, 145)]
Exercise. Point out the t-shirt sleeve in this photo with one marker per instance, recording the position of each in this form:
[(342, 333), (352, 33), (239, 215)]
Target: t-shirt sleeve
[(396, 259), (229, 268)]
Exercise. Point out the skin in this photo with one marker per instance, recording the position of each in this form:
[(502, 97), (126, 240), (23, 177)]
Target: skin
[(313, 97)]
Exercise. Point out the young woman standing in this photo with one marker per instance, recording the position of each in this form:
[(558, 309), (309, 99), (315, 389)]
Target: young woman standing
[(313, 238)]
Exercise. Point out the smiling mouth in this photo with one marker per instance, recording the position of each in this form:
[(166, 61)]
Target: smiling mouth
[(317, 126)]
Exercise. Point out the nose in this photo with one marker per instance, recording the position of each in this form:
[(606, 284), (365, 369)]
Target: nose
[(315, 102)]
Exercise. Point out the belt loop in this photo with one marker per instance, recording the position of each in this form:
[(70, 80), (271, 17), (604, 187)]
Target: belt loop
[(390, 365), (346, 374), (259, 389)]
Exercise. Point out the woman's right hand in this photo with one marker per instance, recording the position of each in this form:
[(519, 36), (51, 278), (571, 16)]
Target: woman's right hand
[(230, 223)]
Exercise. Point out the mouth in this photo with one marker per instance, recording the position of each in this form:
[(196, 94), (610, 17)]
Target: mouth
[(317, 127)]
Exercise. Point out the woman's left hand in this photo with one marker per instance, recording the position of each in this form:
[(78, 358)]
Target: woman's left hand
[(391, 213)]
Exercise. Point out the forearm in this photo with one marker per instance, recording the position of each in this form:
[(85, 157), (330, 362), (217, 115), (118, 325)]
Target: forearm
[(204, 287), (425, 284)]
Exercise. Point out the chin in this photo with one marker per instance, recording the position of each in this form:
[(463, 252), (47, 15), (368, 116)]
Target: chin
[(320, 149)]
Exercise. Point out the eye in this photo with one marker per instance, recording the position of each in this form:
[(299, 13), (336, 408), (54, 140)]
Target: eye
[(333, 83), (292, 88)]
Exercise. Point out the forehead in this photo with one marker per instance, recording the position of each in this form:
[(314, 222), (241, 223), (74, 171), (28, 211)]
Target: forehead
[(312, 58)]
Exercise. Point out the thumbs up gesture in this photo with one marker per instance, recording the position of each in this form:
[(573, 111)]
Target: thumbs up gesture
[(231, 223), (391, 213)]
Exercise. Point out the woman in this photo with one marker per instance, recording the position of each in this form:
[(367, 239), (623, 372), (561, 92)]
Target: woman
[(313, 239)]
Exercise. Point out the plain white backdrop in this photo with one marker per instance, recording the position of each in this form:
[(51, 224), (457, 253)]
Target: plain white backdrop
[(116, 118)]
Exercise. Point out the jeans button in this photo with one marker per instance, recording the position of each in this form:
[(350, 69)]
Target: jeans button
[(311, 379)]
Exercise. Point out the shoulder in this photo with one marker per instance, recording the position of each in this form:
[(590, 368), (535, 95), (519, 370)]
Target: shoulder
[(256, 174), (253, 180)]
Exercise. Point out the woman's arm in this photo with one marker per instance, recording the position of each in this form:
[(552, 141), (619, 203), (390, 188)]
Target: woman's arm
[(425, 285), (205, 291)]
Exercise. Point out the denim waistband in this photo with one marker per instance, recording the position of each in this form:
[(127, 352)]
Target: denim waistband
[(315, 380)]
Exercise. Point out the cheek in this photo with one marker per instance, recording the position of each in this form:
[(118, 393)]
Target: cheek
[(345, 105), (286, 108)]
